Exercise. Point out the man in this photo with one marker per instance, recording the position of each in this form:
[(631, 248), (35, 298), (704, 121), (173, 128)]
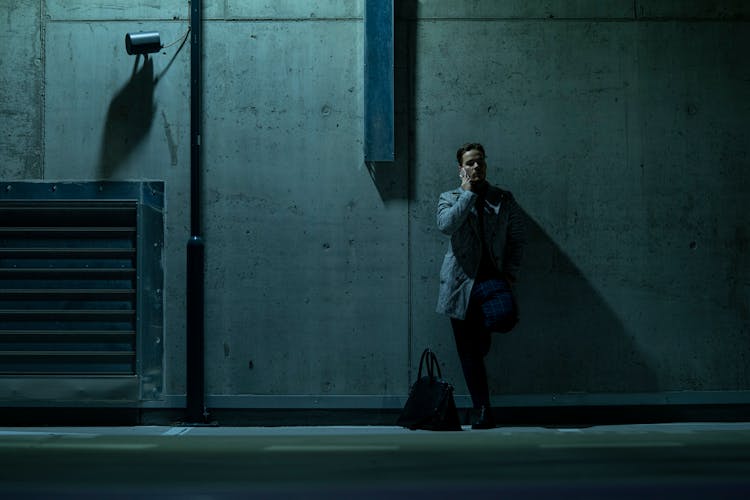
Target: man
[(482, 262)]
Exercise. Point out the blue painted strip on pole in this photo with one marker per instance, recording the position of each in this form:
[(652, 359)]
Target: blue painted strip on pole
[(378, 85)]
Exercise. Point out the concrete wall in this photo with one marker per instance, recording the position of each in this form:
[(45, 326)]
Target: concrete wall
[(626, 143), (621, 127), (21, 84)]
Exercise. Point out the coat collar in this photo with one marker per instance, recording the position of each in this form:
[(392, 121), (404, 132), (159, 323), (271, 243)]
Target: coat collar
[(495, 195)]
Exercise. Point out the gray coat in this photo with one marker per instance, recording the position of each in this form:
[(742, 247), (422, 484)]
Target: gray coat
[(503, 229)]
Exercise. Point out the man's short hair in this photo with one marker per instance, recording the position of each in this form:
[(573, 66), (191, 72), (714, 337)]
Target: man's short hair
[(468, 147)]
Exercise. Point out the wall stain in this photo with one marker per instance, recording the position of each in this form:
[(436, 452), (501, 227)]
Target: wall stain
[(170, 140)]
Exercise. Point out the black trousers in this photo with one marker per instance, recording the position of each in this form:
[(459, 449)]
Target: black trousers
[(492, 308), (473, 341)]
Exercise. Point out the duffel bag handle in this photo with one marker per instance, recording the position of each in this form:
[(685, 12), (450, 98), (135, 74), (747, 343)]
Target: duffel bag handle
[(432, 364), (435, 366)]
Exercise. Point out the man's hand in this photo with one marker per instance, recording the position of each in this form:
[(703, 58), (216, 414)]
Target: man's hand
[(466, 184)]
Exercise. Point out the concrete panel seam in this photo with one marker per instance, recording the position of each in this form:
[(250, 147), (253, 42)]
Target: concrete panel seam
[(133, 20), (631, 18), (526, 19), (217, 19), (42, 88), (288, 20)]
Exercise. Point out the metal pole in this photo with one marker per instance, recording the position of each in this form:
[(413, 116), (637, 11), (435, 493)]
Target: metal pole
[(196, 407)]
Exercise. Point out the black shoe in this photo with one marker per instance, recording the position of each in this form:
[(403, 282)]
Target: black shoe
[(484, 420)]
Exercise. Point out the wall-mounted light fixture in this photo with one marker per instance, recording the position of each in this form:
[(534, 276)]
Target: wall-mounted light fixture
[(144, 42)]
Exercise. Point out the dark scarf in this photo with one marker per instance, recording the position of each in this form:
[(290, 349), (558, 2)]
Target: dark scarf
[(487, 269)]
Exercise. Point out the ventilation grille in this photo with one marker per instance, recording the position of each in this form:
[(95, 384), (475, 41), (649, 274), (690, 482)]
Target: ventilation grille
[(68, 287)]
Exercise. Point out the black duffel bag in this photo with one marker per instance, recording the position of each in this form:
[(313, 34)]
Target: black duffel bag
[(430, 405)]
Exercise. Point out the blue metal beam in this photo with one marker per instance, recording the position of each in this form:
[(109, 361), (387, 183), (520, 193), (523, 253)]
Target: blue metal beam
[(378, 87)]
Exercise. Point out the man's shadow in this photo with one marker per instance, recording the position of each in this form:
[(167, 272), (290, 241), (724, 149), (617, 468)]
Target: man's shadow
[(568, 340), (129, 118)]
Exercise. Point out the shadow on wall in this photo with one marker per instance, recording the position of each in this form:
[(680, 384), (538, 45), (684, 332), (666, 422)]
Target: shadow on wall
[(568, 340), (394, 180), (129, 118)]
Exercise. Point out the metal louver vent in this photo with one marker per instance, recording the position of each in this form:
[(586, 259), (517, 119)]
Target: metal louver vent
[(68, 282)]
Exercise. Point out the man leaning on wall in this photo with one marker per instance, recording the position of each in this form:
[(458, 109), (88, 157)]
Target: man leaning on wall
[(480, 267)]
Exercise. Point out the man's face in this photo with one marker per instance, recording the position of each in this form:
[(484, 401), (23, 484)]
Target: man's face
[(473, 165)]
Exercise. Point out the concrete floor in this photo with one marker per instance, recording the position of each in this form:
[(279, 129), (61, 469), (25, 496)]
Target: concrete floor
[(627, 461)]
